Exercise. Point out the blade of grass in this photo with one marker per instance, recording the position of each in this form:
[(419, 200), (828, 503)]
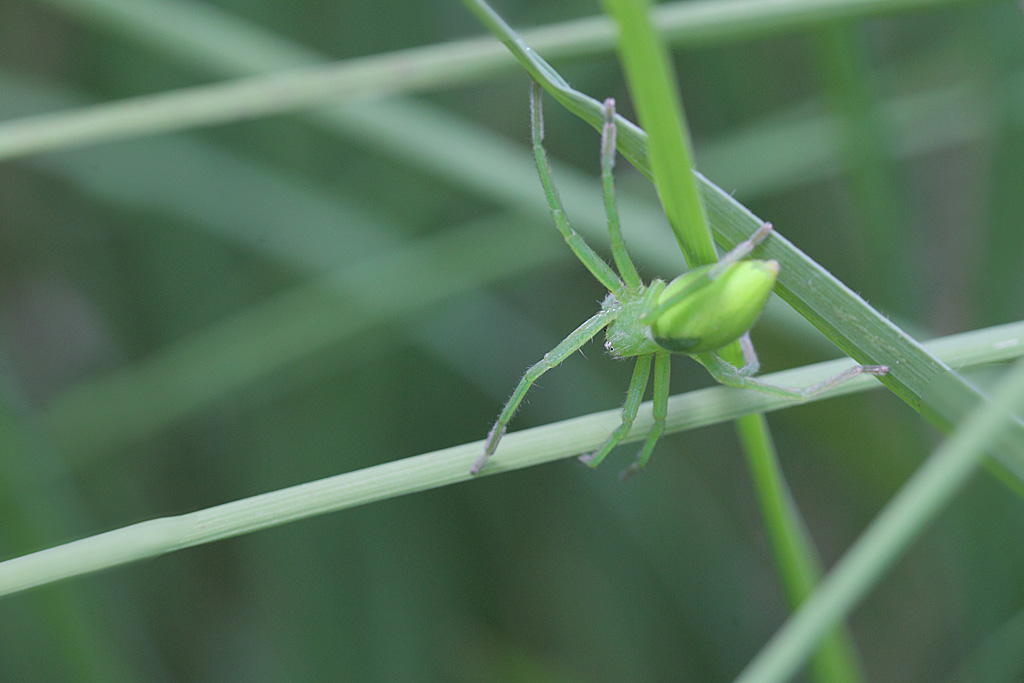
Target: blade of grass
[(34, 509), (999, 658), (927, 492), (402, 71), (651, 81), (652, 84), (881, 222), (439, 468), (796, 559), (800, 140)]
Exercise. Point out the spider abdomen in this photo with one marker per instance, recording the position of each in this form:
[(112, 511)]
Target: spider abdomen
[(716, 314)]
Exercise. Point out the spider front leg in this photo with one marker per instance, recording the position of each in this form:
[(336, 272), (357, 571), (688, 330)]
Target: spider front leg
[(621, 257), (587, 256), (568, 346), (727, 374)]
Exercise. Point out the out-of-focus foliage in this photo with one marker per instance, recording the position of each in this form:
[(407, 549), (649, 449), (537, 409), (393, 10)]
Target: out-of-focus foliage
[(162, 351)]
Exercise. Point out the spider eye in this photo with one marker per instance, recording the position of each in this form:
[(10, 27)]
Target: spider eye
[(718, 313)]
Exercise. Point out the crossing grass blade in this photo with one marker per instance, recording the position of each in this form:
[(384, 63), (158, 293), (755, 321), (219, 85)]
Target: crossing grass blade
[(525, 448)]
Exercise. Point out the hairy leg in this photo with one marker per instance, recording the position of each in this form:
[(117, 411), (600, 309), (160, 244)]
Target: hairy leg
[(627, 270), (594, 263), (730, 376), (635, 394), (568, 346), (662, 365)]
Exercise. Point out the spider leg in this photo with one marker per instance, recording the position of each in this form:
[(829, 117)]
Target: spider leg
[(635, 394), (565, 348), (751, 364), (740, 251), (622, 260), (662, 364), (594, 263), (730, 376)]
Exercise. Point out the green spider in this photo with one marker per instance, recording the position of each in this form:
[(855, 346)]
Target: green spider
[(696, 314)]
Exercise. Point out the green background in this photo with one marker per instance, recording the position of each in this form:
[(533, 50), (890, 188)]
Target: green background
[(133, 386)]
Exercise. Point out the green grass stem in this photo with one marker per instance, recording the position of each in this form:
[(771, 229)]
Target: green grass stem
[(917, 503), (411, 70), (796, 559), (451, 465), (800, 140), (880, 218), (654, 91), (652, 85), (999, 659)]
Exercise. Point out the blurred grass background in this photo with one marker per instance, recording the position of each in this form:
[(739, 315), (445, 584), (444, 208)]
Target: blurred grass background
[(165, 347)]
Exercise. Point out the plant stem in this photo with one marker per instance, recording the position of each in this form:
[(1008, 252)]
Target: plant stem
[(518, 450), (795, 556), (652, 85), (401, 71), (655, 94), (924, 495)]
